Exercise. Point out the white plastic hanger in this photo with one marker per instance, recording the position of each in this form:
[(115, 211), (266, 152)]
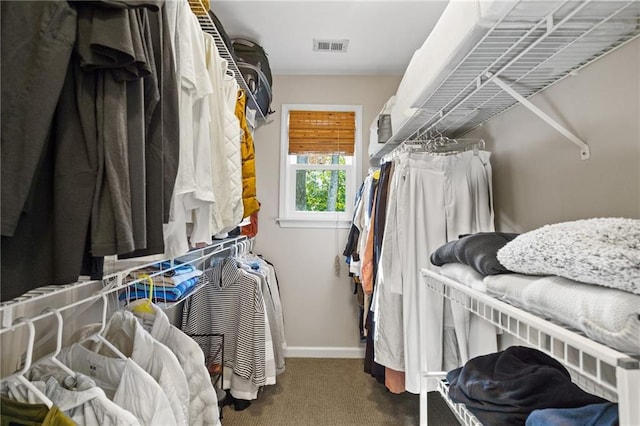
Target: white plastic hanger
[(103, 326), (27, 363), (55, 360)]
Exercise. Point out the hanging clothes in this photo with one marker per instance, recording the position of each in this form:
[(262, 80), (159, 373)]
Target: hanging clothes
[(228, 210), (126, 334), (231, 303), (122, 380), (79, 398), (193, 169), (162, 137), (203, 407), (249, 199), (20, 413), (437, 198), (257, 267)]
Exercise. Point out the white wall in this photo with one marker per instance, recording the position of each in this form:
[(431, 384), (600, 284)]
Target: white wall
[(320, 310), (538, 175)]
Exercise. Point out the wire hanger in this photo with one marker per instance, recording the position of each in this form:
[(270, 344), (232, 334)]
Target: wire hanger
[(19, 375), (55, 360)]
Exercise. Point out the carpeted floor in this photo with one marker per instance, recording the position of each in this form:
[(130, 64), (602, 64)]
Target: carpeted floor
[(333, 392)]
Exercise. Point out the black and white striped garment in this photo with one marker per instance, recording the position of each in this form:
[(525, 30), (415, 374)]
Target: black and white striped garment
[(231, 303)]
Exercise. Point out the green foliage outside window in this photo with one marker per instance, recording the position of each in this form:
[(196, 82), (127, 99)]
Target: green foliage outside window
[(321, 190)]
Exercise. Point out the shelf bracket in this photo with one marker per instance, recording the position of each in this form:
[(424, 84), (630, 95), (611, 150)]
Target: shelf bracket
[(585, 153)]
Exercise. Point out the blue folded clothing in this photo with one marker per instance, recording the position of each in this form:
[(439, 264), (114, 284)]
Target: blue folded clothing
[(179, 269), (605, 414), (164, 293)]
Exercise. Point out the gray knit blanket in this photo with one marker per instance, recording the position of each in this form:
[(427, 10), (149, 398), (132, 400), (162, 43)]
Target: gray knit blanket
[(602, 251)]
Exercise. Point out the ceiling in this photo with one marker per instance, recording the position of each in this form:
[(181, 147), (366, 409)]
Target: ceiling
[(382, 34)]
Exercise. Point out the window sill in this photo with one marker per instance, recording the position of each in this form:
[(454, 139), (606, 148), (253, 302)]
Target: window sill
[(313, 223)]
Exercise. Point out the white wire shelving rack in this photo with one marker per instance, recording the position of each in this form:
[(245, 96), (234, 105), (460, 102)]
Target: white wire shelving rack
[(207, 25), (64, 297), (595, 367), (517, 58)]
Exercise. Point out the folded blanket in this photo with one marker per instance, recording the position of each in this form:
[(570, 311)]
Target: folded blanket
[(607, 315), (602, 251), (464, 274), (476, 250)]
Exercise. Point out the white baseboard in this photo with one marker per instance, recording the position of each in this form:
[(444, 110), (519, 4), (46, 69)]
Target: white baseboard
[(325, 352)]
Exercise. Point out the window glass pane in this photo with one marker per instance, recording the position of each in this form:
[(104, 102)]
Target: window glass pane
[(321, 190), (321, 159)]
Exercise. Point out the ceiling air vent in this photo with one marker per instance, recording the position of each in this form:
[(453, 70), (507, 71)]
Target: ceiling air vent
[(330, 45)]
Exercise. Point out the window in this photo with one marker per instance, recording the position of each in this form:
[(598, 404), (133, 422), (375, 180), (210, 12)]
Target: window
[(319, 164)]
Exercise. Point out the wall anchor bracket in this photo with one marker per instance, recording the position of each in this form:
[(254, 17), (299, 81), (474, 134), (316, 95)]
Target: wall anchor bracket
[(585, 152)]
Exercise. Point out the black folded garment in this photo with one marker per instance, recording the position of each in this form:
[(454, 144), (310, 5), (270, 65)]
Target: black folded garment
[(476, 250), (503, 388)]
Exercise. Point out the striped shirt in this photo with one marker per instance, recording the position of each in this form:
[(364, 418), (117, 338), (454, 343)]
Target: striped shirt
[(231, 304)]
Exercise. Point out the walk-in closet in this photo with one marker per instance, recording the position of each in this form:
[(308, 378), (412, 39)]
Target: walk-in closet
[(320, 213)]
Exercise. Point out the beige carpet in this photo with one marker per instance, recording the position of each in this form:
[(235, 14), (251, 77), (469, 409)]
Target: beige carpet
[(332, 392)]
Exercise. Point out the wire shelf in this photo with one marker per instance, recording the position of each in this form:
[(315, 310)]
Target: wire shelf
[(597, 368), (207, 25), (530, 49)]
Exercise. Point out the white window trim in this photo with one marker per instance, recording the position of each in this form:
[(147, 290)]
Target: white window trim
[(288, 218)]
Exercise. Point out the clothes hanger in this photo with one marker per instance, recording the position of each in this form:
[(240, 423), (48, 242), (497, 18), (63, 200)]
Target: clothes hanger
[(145, 307), (19, 375), (103, 326), (55, 360)]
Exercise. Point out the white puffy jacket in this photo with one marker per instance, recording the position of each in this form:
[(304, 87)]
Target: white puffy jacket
[(203, 402)]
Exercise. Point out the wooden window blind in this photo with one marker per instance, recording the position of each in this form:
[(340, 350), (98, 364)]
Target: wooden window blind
[(322, 132)]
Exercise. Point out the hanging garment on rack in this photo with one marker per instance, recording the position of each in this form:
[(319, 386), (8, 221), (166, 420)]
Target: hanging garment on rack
[(122, 380), (233, 212), (79, 398), (20, 413), (221, 210), (262, 271), (84, 179), (126, 334), (386, 171), (162, 137), (274, 292), (439, 197), (231, 303), (29, 161), (249, 200), (203, 407), (388, 339), (192, 191), (25, 89)]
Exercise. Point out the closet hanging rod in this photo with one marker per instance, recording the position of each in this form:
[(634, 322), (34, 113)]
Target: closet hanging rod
[(8, 308)]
